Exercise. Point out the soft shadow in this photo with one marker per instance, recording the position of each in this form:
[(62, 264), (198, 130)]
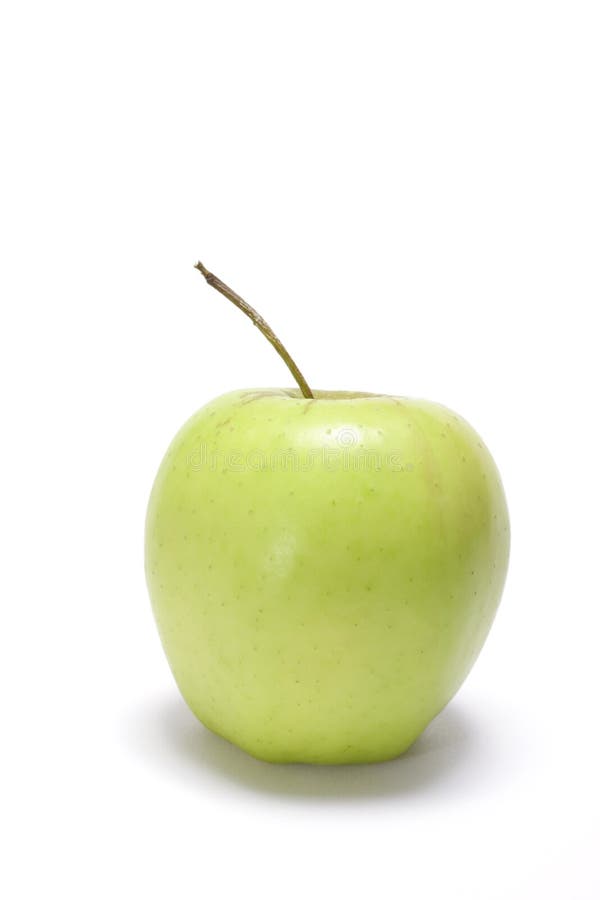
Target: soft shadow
[(168, 735)]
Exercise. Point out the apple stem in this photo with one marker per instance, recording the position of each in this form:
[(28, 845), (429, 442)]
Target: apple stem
[(260, 323)]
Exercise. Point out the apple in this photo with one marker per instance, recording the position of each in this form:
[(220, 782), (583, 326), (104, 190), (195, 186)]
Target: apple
[(324, 567)]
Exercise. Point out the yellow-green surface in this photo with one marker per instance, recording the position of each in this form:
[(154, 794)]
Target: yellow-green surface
[(324, 572)]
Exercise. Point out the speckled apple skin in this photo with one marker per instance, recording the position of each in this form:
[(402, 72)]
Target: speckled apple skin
[(324, 572)]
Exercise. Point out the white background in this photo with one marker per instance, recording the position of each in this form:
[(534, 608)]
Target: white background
[(410, 193)]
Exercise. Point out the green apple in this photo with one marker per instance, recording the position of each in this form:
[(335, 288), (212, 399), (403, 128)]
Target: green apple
[(324, 569)]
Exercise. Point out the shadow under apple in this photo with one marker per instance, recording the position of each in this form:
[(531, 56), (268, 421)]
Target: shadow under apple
[(445, 758)]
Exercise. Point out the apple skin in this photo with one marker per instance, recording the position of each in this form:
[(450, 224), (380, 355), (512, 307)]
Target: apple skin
[(324, 572)]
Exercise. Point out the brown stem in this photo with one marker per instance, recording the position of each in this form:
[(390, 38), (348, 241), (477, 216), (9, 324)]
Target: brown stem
[(260, 323)]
